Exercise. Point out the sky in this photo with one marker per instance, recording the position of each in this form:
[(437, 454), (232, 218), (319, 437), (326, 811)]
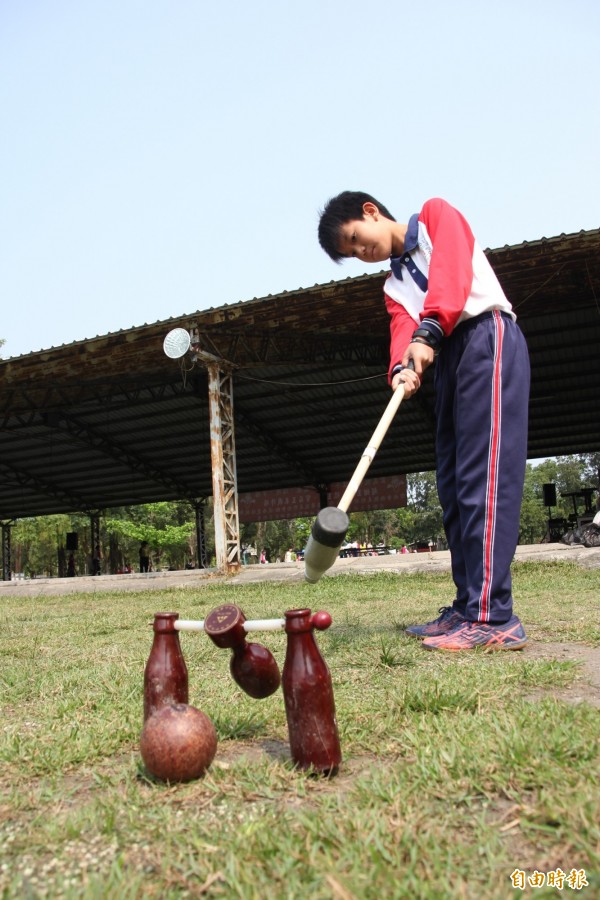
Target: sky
[(159, 157)]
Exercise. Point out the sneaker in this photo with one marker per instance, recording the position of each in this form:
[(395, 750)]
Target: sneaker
[(469, 635), (448, 619)]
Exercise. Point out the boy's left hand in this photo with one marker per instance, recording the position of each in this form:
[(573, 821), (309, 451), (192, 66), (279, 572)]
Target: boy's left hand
[(410, 380), (422, 357)]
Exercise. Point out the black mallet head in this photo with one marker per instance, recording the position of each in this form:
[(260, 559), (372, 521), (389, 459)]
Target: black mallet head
[(326, 538)]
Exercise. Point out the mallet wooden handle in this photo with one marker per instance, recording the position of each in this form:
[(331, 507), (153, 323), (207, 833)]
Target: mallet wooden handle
[(372, 448)]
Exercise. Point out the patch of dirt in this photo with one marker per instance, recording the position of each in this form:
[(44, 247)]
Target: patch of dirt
[(586, 687), (231, 752)]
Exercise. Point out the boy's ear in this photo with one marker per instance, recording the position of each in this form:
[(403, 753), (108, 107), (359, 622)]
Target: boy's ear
[(370, 211)]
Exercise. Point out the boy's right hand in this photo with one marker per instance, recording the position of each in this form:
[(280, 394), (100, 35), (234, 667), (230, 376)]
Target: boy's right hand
[(421, 355)]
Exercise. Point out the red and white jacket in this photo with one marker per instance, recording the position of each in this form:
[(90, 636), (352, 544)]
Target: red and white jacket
[(442, 278)]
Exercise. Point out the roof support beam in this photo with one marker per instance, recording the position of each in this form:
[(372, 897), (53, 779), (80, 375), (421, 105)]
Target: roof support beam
[(26, 479), (113, 450), (248, 348), (23, 403), (224, 475), (278, 448)]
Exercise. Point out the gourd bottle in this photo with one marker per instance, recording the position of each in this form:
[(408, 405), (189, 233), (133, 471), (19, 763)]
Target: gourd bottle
[(166, 674), (308, 695)]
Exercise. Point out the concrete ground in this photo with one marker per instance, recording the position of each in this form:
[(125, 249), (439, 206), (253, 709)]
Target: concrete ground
[(438, 561)]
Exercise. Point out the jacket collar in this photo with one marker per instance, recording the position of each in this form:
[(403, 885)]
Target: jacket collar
[(410, 243)]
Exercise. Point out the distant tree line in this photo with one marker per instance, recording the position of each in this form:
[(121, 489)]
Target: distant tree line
[(38, 544)]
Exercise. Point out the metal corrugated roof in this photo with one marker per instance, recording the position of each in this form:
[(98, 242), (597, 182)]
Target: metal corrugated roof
[(112, 421)]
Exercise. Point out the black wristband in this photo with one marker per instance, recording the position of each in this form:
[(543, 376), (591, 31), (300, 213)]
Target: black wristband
[(424, 336)]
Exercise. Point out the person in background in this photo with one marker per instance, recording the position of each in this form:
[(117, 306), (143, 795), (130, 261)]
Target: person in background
[(144, 557)]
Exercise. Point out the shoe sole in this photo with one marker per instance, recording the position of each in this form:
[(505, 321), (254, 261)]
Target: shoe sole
[(421, 637), (486, 648)]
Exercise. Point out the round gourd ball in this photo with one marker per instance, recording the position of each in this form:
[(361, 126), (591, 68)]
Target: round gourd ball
[(178, 743)]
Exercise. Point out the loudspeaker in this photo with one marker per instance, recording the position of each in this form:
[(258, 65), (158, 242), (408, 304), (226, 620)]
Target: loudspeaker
[(72, 540), (549, 494)]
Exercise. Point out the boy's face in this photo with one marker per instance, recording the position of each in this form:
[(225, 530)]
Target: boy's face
[(368, 239)]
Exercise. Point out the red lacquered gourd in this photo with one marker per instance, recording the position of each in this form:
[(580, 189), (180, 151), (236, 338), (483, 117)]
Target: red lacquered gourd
[(166, 674), (252, 666), (308, 696)]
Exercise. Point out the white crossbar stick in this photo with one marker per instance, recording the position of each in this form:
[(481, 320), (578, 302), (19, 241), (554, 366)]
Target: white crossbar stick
[(251, 625)]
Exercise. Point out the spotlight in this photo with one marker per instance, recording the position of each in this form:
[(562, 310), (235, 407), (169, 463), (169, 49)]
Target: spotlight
[(177, 343)]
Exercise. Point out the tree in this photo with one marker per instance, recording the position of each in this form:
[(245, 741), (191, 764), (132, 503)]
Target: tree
[(276, 537), (35, 543), (534, 518), (38, 544), (168, 527), (591, 469), (423, 500), (567, 473)]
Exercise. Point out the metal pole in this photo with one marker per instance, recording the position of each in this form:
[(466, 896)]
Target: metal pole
[(95, 536), (224, 476), (6, 560), (199, 509)]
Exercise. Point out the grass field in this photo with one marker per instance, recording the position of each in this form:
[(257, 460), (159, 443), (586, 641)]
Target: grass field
[(459, 770)]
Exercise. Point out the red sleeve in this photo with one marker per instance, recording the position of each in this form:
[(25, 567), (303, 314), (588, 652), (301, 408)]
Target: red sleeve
[(402, 326), (450, 276)]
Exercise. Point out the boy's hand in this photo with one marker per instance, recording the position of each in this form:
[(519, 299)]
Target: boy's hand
[(422, 357), (410, 380)]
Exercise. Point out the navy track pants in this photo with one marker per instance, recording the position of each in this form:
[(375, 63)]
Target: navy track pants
[(482, 396)]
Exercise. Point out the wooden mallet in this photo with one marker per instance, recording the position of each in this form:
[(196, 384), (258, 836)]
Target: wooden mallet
[(330, 527)]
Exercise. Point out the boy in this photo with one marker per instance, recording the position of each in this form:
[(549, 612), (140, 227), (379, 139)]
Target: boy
[(446, 304)]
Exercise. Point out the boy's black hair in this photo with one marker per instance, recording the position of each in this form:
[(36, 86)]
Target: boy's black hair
[(341, 209)]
